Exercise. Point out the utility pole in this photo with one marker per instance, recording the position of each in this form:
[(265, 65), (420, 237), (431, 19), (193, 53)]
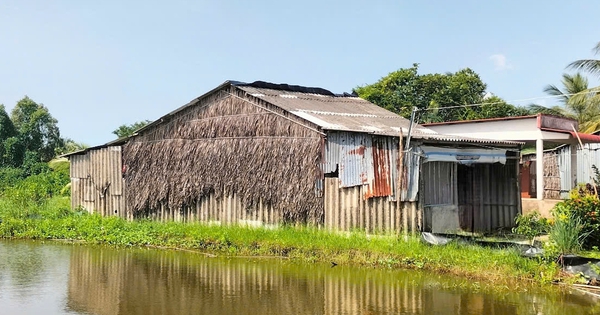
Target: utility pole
[(410, 127)]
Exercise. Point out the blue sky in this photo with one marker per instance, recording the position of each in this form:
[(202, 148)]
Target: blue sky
[(99, 64)]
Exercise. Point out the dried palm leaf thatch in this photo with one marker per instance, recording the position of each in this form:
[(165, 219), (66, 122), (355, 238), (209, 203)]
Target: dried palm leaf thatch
[(551, 176), (228, 147)]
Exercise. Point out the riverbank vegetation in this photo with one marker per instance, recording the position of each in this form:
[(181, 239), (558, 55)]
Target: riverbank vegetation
[(52, 218)]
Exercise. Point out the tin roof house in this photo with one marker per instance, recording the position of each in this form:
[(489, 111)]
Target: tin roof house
[(544, 177), (266, 154)]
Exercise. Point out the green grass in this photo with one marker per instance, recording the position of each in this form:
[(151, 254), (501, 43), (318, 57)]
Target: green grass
[(54, 220)]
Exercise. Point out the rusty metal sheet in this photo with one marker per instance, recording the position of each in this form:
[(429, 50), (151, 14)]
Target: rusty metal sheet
[(363, 159), (354, 159), (381, 183)]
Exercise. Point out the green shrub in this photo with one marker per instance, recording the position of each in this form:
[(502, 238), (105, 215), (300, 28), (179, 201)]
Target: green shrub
[(567, 235), (531, 225), (36, 189), (10, 176), (60, 165), (586, 210)]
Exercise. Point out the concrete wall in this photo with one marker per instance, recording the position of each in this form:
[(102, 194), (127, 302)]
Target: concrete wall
[(542, 206)]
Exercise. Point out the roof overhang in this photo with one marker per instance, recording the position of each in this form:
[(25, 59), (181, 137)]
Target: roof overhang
[(116, 142), (523, 128), (585, 137)]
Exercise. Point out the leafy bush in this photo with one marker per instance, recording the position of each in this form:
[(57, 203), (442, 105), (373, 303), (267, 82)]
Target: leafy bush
[(36, 189), (60, 165), (10, 176), (584, 209), (582, 190), (531, 225)]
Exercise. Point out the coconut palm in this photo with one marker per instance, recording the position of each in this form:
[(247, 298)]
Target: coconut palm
[(572, 85), (578, 101), (591, 66), (541, 109)]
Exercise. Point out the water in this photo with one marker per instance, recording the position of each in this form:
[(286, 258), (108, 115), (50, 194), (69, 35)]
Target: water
[(54, 278)]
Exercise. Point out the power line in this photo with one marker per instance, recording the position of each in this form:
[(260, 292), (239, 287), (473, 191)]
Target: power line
[(502, 102)]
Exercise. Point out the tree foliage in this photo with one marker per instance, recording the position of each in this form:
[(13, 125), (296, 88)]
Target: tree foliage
[(591, 66), (432, 94), (127, 130), (70, 145), (11, 150), (38, 130), (577, 101)]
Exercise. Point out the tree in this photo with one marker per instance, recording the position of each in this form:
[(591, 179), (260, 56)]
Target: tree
[(591, 66), (38, 130), (495, 106), (404, 89), (127, 130), (541, 109), (578, 101), (11, 149)]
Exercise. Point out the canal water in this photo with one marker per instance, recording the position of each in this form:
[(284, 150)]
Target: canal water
[(55, 278)]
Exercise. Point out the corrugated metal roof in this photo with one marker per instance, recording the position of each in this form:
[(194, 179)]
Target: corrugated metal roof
[(330, 112), (452, 138), (347, 113), (116, 142), (455, 122)]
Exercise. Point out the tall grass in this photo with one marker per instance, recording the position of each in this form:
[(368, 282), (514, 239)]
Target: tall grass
[(567, 235), (53, 220)]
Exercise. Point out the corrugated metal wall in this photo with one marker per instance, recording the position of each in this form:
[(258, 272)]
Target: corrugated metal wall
[(348, 209), (228, 210), (440, 188), (363, 159), (564, 168), (500, 196), (97, 182), (586, 157), (486, 195)]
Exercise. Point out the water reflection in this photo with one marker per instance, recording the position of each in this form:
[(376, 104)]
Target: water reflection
[(108, 281), (50, 278)]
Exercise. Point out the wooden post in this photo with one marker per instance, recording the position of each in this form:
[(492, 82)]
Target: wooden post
[(400, 176)]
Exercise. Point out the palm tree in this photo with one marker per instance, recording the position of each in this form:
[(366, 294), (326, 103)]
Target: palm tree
[(588, 65), (578, 101), (541, 109), (573, 106)]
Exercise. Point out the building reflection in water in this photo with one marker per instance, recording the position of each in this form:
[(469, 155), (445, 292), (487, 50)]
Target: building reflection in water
[(138, 281)]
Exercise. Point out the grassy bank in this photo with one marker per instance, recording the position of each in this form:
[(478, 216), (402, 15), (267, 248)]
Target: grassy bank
[(52, 219)]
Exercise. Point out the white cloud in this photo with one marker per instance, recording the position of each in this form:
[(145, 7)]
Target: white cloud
[(500, 62)]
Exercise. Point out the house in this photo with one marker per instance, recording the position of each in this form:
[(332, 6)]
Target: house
[(539, 178), (264, 154)]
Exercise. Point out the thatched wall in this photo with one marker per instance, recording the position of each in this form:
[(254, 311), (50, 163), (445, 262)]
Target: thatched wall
[(551, 176), (225, 145)]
